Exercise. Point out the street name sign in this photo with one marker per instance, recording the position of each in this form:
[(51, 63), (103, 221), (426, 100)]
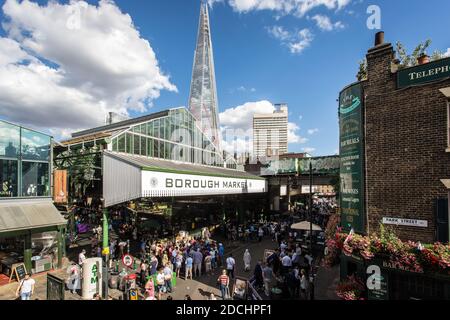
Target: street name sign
[(405, 222)]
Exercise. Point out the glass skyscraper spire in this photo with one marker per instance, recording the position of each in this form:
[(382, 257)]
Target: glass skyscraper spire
[(203, 96)]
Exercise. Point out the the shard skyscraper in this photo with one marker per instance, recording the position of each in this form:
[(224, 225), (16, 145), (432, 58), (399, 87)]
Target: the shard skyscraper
[(203, 96)]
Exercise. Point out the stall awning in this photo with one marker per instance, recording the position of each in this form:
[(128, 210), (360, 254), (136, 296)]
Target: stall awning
[(20, 215)]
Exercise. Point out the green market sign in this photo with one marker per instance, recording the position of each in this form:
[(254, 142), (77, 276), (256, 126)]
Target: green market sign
[(422, 74), (351, 158), (94, 274)]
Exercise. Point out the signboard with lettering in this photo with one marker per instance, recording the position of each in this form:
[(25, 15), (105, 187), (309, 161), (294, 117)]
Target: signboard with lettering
[(19, 271), (60, 186), (352, 158), (92, 284), (425, 73), (166, 184), (406, 222)]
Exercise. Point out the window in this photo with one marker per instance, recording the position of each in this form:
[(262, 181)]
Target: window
[(143, 146), (8, 178), (150, 129), (35, 146), (114, 144), (129, 143), (121, 143), (35, 179), (150, 147), (137, 144), (156, 149), (156, 128), (162, 127), (9, 140), (168, 150)]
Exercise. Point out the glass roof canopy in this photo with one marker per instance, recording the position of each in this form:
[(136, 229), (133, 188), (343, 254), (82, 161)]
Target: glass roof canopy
[(175, 137)]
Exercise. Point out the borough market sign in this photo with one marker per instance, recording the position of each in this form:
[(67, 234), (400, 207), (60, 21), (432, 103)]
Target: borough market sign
[(422, 74)]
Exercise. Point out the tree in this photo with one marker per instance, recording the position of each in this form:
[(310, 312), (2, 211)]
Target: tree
[(336, 183), (405, 60), (362, 72)]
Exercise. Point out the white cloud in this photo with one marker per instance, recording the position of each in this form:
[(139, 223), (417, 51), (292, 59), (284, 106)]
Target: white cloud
[(244, 89), (324, 23), (447, 54), (279, 33), (293, 134), (10, 52), (67, 65), (295, 41), (304, 40), (295, 7), (313, 131), (241, 117), (237, 130)]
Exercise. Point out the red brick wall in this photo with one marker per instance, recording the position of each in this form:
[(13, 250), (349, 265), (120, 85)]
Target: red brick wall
[(406, 138)]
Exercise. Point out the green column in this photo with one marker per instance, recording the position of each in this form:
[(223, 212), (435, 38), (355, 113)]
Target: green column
[(105, 232), (27, 254), (105, 253)]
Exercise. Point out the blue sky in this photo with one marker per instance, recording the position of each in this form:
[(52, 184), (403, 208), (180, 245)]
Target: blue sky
[(252, 64)]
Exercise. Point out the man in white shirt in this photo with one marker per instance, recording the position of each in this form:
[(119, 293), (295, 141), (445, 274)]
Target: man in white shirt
[(286, 262), (230, 266), (81, 257)]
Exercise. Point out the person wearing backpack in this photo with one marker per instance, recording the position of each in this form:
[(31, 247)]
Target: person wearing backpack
[(26, 288)]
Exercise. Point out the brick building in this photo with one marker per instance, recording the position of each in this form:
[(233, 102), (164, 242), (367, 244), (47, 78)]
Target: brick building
[(395, 165), (405, 146)]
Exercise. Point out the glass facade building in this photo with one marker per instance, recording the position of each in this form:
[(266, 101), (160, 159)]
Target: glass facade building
[(174, 137), (203, 95), (24, 162)]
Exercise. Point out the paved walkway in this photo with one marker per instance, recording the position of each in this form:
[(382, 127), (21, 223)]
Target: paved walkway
[(200, 288)]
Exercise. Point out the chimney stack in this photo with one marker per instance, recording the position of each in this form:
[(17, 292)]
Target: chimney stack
[(423, 59), (379, 38)]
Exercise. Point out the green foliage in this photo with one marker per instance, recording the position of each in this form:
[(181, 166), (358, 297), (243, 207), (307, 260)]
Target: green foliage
[(336, 183), (81, 166), (362, 72), (405, 60), (410, 60)]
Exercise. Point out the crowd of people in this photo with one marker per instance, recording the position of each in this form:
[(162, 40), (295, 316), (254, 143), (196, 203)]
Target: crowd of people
[(187, 257), (322, 209), (288, 268)]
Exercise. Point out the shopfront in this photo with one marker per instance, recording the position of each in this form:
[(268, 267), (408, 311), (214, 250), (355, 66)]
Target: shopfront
[(31, 228), (396, 283), (179, 196)]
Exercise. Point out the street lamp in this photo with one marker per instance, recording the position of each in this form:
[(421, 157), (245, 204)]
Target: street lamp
[(311, 223), (105, 250)]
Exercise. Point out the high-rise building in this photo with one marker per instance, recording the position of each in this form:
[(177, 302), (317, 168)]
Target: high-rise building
[(203, 96), (270, 132)]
